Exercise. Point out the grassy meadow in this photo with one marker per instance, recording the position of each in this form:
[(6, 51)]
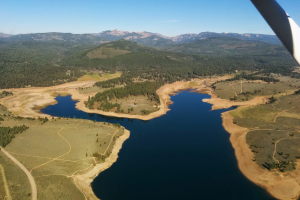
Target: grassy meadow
[(96, 76), (53, 151), (16, 180), (274, 131), (244, 90)]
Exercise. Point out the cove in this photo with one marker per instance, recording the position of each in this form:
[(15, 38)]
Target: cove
[(185, 154)]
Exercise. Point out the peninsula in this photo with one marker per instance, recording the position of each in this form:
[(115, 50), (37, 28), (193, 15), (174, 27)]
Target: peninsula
[(127, 79)]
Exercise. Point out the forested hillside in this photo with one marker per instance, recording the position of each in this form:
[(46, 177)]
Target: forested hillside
[(226, 46), (54, 58), (151, 63), (34, 63)]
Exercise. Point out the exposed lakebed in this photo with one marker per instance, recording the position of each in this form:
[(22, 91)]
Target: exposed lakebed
[(185, 154)]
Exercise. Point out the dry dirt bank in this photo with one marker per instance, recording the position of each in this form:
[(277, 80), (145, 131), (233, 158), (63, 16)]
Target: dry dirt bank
[(83, 181), (280, 185)]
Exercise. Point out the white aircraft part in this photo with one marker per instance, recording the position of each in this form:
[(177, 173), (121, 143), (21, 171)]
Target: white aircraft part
[(282, 24), (296, 39)]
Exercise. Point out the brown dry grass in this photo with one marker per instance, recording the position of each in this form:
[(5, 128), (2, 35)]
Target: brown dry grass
[(26, 102), (59, 151), (280, 185)]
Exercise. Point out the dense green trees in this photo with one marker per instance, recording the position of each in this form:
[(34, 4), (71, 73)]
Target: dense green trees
[(34, 63), (5, 94), (297, 92), (8, 133), (43, 63), (156, 64), (151, 65), (123, 80), (282, 166), (253, 76), (132, 89), (21, 67)]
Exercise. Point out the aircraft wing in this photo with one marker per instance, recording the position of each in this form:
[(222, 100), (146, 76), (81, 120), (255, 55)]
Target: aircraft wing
[(282, 24)]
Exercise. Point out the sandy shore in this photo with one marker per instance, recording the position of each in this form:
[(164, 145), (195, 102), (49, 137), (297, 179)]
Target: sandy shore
[(26, 102), (83, 181), (280, 185), (218, 103), (285, 186), (164, 93)]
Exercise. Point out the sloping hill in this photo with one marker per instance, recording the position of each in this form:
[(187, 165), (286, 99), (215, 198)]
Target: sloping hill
[(228, 46), (204, 57), (53, 58), (126, 55)]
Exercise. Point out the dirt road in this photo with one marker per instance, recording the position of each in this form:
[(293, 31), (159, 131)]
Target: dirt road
[(28, 174)]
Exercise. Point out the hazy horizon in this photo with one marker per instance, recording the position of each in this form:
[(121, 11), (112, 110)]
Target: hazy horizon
[(135, 32), (166, 17)]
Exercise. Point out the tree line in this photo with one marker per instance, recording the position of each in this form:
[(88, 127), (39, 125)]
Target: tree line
[(34, 63), (147, 89), (253, 77), (5, 94), (8, 133)]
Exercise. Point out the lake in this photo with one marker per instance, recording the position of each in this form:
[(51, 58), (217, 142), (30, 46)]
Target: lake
[(185, 154)]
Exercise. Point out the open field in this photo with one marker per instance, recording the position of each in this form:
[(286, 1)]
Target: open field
[(4, 189), (282, 185), (93, 76), (246, 90), (271, 130), (266, 142), (137, 105), (55, 152), (91, 91), (17, 182)]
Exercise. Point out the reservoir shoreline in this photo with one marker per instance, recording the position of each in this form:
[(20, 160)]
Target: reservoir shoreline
[(83, 181), (200, 86), (272, 182)]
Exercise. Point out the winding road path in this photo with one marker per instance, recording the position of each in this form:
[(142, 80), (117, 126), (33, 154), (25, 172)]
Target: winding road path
[(28, 174)]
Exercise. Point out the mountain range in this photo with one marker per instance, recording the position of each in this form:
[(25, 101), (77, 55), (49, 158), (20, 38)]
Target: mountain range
[(144, 38)]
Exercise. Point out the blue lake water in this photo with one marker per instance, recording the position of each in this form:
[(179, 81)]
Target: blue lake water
[(185, 154)]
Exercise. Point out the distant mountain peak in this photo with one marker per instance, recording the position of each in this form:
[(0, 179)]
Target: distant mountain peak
[(144, 37), (132, 34), (3, 35), (190, 37), (116, 32)]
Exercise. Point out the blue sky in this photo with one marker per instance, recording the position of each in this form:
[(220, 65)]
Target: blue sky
[(169, 17)]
